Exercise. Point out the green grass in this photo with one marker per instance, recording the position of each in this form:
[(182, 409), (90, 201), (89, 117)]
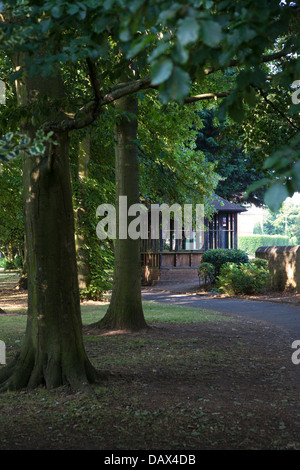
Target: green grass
[(13, 324), (9, 276), (154, 312), (157, 312), (175, 313)]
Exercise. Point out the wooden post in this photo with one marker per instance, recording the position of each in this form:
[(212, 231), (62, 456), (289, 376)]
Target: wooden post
[(206, 234), (235, 231), (220, 218)]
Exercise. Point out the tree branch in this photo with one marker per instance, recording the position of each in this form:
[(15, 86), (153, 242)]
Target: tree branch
[(289, 121), (264, 59), (95, 82), (89, 113), (206, 96)]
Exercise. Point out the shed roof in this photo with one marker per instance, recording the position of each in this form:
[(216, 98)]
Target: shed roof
[(221, 204)]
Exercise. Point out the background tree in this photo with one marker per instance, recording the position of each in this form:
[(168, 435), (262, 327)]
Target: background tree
[(284, 222), (222, 144), (125, 309), (171, 167), (11, 210)]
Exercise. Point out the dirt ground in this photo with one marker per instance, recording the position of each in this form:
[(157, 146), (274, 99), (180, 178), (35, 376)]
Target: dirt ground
[(193, 386)]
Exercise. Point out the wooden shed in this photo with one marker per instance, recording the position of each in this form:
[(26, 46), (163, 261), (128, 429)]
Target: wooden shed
[(179, 259)]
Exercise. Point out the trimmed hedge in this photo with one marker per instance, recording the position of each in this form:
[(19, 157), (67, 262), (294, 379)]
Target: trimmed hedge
[(221, 256), (250, 243)]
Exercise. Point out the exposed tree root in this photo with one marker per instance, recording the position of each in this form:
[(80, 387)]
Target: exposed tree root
[(115, 321), (27, 372)]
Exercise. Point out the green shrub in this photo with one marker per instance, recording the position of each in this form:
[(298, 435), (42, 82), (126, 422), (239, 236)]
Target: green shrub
[(207, 272), (240, 279), (9, 264), (261, 263), (250, 243), (221, 256), (18, 262)]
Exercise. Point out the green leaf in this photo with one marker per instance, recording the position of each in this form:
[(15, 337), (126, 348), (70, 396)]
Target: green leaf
[(40, 134), (250, 96), (244, 78), (40, 147), (259, 78), (256, 185), (211, 32), (73, 9), (176, 87), (99, 24), (179, 54), (108, 4), (135, 5), (44, 25), (161, 71), (158, 51), (82, 14), (275, 196), (33, 151), (9, 136), (188, 31), (57, 11), (125, 34), (138, 45), (236, 111), (276, 158)]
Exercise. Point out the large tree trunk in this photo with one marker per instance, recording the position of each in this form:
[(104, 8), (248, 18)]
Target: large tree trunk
[(53, 352), (125, 310)]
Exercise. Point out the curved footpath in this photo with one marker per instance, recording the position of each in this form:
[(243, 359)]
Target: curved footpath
[(280, 314)]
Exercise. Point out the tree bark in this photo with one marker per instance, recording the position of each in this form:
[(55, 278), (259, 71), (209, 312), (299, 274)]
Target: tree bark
[(52, 353), (125, 310)]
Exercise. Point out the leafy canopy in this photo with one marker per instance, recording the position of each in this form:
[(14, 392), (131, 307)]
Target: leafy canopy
[(185, 42)]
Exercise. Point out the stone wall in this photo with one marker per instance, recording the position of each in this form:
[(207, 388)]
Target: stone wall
[(284, 266)]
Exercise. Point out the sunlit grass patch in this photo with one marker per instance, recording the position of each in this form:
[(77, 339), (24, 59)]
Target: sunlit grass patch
[(157, 312)]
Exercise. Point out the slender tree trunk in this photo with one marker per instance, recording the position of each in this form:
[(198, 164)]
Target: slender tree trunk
[(84, 275), (53, 352), (125, 310)]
